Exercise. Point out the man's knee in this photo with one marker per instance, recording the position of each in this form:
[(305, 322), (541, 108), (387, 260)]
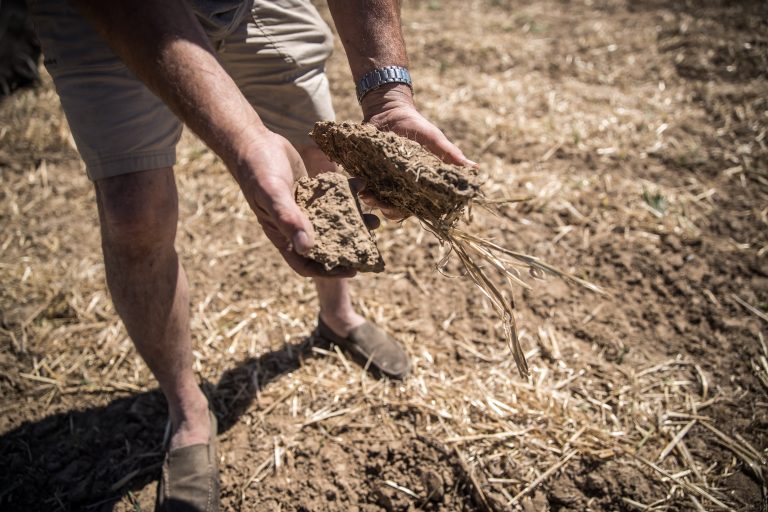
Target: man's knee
[(138, 212)]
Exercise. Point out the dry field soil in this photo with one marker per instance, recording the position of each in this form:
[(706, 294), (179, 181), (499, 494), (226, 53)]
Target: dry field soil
[(638, 132)]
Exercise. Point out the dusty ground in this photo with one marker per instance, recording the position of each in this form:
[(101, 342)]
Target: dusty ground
[(639, 130)]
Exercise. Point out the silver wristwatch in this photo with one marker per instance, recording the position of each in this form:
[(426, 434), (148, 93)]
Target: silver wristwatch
[(382, 76)]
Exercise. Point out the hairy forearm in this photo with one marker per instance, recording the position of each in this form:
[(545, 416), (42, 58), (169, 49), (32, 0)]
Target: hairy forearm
[(373, 38), (162, 43), (370, 32)]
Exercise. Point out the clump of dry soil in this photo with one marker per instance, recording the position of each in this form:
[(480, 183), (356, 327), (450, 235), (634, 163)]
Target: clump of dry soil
[(399, 171), (341, 237)]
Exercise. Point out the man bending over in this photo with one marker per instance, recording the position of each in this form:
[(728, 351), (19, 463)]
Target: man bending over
[(247, 76)]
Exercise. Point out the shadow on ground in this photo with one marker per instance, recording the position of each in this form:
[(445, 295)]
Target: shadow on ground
[(88, 460)]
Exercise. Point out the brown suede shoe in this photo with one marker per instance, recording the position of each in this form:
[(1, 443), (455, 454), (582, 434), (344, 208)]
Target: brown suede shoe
[(372, 347), (190, 479)]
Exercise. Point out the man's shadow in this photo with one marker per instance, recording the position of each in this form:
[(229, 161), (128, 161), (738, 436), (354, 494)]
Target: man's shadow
[(89, 459)]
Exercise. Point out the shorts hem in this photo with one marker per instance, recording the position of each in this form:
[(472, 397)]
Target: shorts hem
[(109, 167)]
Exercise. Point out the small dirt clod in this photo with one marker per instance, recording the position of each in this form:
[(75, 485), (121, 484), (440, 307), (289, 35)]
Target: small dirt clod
[(341, 237), (433, 485)]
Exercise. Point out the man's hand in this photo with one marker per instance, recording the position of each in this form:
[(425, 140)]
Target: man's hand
[(391, 108), (266, 172)]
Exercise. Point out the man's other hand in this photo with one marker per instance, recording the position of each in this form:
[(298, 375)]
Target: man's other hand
[(266, 171), (391, 108)]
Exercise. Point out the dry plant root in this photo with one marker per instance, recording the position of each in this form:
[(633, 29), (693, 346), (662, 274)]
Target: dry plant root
[(402, 173), (341, 237)]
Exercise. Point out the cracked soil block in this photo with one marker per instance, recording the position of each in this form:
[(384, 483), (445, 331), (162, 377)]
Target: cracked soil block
[(341, 237), (399, 171)]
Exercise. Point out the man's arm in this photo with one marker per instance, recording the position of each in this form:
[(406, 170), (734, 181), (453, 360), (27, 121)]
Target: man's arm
[(372, 37), (162, 43), (371, 34)]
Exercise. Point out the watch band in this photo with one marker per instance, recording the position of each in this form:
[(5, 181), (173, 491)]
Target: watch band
[(382, 76)]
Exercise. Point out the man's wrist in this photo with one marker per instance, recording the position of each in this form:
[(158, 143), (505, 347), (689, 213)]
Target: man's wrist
[(246, 143), (381, 76), (386, 97)]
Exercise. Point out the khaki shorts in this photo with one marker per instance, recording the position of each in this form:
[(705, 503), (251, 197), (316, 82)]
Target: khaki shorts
[(276, 54)]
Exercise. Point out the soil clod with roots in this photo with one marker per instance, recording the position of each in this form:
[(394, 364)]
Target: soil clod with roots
[(404, 174)]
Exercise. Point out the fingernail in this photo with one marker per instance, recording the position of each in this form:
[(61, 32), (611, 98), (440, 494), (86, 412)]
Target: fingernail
[(301, 242), (471, 162)]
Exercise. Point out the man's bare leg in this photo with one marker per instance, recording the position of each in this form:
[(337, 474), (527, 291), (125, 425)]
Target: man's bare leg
[(138, 214), (336, 308)]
